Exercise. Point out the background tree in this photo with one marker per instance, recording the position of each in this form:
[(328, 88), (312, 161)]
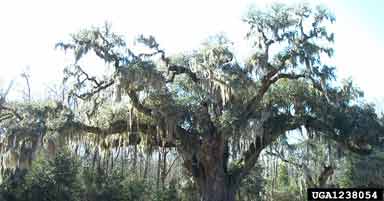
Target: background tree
[(26, 75), (363, 172)]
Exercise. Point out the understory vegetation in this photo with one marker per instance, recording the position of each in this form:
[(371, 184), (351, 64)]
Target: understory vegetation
[(67, 177)]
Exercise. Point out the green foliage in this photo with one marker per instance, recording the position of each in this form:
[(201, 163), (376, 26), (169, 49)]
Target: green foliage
[(253, 186), (283, 178), (166, 194), (189, 190), (55, 179), (13, 187), (135, 189), (102, 186), (346, 179), (364, 171), (62, 179), (284, 196)]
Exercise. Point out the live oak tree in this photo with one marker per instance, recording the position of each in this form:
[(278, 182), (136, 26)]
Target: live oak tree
[(217, 112)]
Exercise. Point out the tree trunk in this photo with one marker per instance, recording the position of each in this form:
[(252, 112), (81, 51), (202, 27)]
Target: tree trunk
[(217, 189), (164, 167), (208, 166), (158, 169), (148, 158), (134, 165)]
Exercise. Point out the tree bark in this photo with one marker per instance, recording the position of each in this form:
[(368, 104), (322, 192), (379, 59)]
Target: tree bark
[(148, 159), (164, 167), (208, 166), (217, 189), (134, 165), (158, 169)]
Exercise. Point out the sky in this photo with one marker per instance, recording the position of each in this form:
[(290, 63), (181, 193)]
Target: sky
[(30, 29)]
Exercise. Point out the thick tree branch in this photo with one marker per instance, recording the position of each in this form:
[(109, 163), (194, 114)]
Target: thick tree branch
[(274, 127), (173, 68), (177, 69), (5, 116), (119, 127), (92, 79), (282, 158), (12, 110), (269, 79), (136, 103), (96, 90)]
